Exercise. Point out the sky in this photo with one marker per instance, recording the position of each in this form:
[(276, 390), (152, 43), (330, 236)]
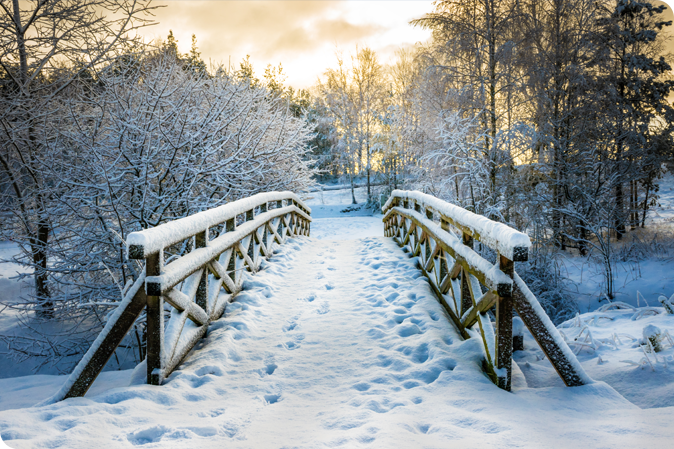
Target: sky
[(304, 35)]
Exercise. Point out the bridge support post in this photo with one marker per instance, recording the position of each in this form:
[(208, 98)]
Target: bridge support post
[(155, 321), (504, 330), (466, 300), (201, 241)]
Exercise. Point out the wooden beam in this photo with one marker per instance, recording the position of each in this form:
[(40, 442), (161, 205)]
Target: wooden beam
[(201, 298), (119, 329), (545, 340), (504, 330), (155, 322), (485, 303)]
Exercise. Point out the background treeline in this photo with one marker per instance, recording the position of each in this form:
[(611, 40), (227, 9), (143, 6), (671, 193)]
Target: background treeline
[(550, 115)]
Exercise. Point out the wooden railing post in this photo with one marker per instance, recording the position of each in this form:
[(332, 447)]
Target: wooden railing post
[(250, 216), (466, 301), (230, 226), (155, 321), (504, 329), (201, 241)]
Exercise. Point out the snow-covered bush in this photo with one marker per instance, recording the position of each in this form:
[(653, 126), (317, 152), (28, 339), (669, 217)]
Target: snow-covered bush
[(668, 304), (652, 335)]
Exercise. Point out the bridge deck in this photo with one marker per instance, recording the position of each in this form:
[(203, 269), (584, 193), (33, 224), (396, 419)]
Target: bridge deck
[(337, 343)]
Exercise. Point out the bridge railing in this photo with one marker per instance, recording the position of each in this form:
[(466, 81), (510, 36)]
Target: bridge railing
[(197, 282), (441, 235)]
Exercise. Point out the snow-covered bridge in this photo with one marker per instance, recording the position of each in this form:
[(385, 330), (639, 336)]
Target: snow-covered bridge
[(332, 343)]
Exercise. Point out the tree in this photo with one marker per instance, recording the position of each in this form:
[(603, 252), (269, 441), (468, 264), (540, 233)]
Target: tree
[(45, 46), (340, 102), (476, 39), (637, 92), (368, 89)]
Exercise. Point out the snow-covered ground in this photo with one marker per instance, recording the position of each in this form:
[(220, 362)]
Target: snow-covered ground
[(609, 346), (339, 342)]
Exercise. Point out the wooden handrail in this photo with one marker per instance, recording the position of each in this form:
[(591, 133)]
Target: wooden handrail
[(457, 275), (507, 241), (150, 241), (197, 285)]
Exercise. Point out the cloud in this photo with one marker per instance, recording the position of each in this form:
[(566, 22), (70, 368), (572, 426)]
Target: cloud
[(315, 35), (290, 32)]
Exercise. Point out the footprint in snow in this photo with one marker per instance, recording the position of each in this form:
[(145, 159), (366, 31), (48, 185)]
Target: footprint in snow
[(272, 398), (408, 329), (267, 370), (323, 309), (291, 324), (291, 345), (309, 298)]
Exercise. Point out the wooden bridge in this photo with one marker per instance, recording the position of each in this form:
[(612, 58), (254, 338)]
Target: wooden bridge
[(218, 245)]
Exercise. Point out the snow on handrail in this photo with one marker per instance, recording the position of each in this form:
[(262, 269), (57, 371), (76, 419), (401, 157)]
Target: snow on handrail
[(495, 278), (178, 270), (502, 238), (151, 241)]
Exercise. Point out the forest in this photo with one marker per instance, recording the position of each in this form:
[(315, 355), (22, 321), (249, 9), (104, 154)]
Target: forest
[(552, 116)]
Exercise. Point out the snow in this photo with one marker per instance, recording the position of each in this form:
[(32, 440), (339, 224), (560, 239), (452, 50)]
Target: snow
[(613, 353), (155, 239), (11, 292), (497, 236), (334, 218), (339, 341)]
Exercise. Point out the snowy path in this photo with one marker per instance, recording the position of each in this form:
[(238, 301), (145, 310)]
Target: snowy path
[(338, 344)]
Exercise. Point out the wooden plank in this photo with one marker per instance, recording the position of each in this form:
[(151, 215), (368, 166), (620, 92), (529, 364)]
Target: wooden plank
[(501, 288), (201, 298), (182, 350), (485, 303), (155, 322), (504, 330), (466, 294), (546, 341), (520, 254), (455, 319), (100, 358), (182, 302), (243, 253)]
